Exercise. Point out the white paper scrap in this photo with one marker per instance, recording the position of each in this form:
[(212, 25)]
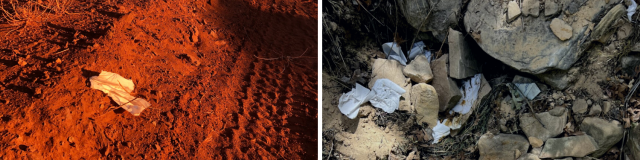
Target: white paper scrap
[(393, 51), (530, 90), (632, 9), (119, 89), (439, 131), (469, 91), (387, 95), (350, 102)]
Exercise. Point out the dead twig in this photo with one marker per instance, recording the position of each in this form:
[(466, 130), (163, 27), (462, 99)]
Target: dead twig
[(287, 58)]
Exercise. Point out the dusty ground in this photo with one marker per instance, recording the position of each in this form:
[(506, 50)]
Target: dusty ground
[(206, 67)]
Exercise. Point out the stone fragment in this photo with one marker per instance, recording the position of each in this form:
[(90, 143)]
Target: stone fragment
[(553, 125), (580, 106), (513, 11), (607, 107), (501, 146), (625, 31), (425, 99), (551, 8), (595, 110), (576, 146), (531, 8), (419, 70), (535, 142), (462, 64), (561, 29), (448, 91), (605, 133), (602, 32)]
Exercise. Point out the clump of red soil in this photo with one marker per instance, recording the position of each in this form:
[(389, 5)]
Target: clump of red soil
[(226, 79)]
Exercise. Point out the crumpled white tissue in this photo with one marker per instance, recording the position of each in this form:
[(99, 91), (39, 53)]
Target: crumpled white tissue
[(387, 95), (118, 88), (632, 9), (530, 90), (350, 102), (439, 131), (469, 91), (393, 51)]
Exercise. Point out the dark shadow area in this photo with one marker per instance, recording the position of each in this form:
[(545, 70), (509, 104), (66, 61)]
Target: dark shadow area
[(8, 63), (21, 89)]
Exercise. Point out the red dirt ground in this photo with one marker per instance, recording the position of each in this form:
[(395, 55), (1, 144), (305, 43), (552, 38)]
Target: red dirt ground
[(205, 67)]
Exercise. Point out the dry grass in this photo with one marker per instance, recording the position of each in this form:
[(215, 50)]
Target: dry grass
[(32, 12)]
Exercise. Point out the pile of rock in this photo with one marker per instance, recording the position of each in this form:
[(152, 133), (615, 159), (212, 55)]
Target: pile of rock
[(432, 86)]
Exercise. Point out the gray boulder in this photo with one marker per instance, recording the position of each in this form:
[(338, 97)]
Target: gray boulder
[(444, 15), (532, 47)]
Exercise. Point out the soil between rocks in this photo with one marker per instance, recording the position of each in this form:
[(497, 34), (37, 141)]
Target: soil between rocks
[(225, 79)]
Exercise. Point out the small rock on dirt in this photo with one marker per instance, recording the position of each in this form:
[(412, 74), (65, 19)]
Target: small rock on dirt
[(605, 133), (448, 91), (419, 70), (576, 146), (22, 62), (425, 100), (561, 29), (58, 61), (513, 10), (531, 8), (595, 110), (501, 146), (553, 124), (551, 8), (580, 106), (606, 107)]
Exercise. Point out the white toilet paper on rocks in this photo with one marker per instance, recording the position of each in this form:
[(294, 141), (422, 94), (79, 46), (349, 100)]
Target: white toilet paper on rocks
[(386, 95), (350, 102)]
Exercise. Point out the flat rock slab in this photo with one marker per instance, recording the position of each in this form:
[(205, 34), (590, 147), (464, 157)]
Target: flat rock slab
[(532, 47), (576, 146), (462, 63), (554, 122), (605, 133), (448, 91), (502, 146)]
